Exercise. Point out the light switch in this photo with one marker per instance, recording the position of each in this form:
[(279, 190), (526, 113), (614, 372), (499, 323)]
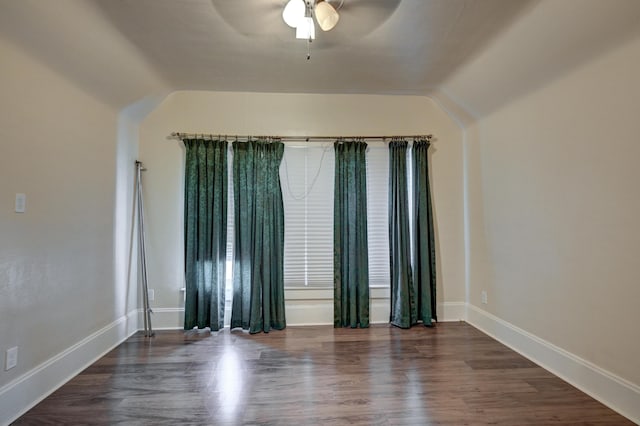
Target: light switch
[(11, 359), (21, 203)]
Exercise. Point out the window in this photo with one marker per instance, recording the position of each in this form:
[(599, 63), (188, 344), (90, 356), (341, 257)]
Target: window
[(306, 174), (231, 237), (307, 177), (378, 214)]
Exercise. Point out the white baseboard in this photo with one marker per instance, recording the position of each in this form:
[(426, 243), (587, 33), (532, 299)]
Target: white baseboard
[(306, 306), (312, 306), (308, 312), (164, 318), (23, 393), (615, 392), (452, 311)]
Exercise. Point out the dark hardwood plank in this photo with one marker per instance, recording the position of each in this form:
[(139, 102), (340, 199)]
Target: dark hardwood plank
[(451, 374)]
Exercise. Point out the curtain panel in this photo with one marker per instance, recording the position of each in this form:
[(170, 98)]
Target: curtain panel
[(404, 307), (351, 265), (205, 233), (424, 249), (258, 272)]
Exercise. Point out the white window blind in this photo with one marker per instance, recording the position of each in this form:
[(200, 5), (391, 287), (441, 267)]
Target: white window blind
[(306, 175), (378, 213), (230, 228)]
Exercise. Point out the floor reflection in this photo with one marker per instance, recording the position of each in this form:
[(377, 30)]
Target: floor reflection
[(229, 379)]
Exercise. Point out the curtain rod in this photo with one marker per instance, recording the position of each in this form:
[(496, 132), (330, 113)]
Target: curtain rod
[(180, 136)]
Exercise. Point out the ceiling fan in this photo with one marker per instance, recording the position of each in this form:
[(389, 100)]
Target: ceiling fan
[(299, 14), (262, 20)]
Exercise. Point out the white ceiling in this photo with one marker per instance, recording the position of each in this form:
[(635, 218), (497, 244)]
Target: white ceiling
[(124, 50), (379, 46)]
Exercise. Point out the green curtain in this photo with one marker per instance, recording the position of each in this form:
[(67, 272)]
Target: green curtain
[(205, 233), (350, 252), (404, 305), (258, 272), (424, 250)]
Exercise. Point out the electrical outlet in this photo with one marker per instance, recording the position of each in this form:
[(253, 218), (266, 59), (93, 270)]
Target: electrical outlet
[(152, 295), (21, 203), (11, 359), (484, 297)]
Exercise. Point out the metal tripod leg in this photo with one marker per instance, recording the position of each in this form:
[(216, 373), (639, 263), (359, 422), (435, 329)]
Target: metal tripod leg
[(148, 330)]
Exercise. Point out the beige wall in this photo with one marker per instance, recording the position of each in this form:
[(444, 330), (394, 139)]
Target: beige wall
[(548, 172), (57, 259), (554, 207), (290, 114)]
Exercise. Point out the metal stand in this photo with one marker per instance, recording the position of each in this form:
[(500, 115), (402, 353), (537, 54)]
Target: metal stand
[(148, 331)]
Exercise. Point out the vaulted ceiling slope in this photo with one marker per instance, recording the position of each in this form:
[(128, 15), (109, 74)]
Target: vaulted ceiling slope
[(553, 38), (74, 38), (478, 52)]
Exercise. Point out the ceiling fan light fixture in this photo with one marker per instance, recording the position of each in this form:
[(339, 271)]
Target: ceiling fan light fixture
[(326, 15), (306, 30), (294, 12)]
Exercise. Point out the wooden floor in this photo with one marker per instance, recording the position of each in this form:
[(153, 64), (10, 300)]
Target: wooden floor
[(451, 374)]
